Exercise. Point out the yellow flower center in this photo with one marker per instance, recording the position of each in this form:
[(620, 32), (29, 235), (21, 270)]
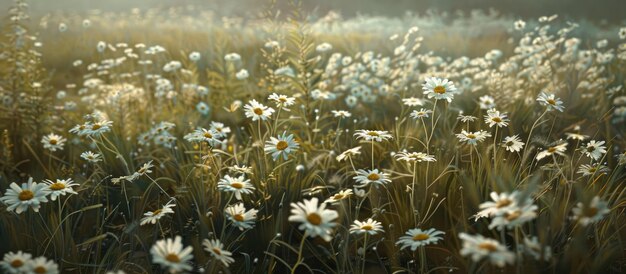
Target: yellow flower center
[(17, 263), (25, 195), (282, 145), (282, 99), (258, 111), (96, 127), (591, 211), (551, 101), (156, 212), (513, 215), (172, 258), (471, 136), (439, 89), (502, 203), (338, 196), (237, 185), (420, 237), (509, 143), (367, 227), (373, 133), (314, 219), (496, 119), (591, 149), (40, 269), (57, 186), (551, 149), (238, 217), (217, 251), (373, 177), (208, 135), (53, 141), (488, 246), (592, 169)]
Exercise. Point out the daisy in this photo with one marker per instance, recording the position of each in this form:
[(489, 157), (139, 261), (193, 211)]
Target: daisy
[(472, 138), (203, 108), (519, 25), (514, 217), (194, 56), (466, 118), (501, 203), (549, 100), (486, 102), (257, 111), (342, 194), (348, 153), (314, 220), (41, 265), (412, 102), (53, 142), (341, 113), (81, 129), (370, 227), (60, 187), (589, 170), (282, 101), (30, 194), (594, 149), (15, 262), (416, 237), (240, 217), (232, 57), (153, 216), (422, 113), (216, 248), (440, 89), (323, 47), (242, 74), (513, 143), (238, 185), (145, 168), (220, 128), (372, 135), (576, 136), (556, 149), (91, 157), (495, 118), (480, 247), (204, 135), (414, 157), (171, 254), (592, 213), (533, 248), (281, 146), (97, 128), (367, 177)]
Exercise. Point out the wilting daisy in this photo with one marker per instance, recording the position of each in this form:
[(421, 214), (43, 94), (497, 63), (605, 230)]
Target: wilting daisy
[(348, 153), (281, 146), (533, 248), (240, 217), (367, 177), (370, 227), (238, 185), (412, 102), (414, 157), (422, 113), (591, 213), (440, 89), (41, 265), (53, 142), (15, 262), (588, 170), (556, 149), (315, 220), (31, 194), (372, 135), (171, 254), (282, 101), (550, 101), (513, 143), (342, 194), (60, 187), (91, 157), (594, 149), (479, 247), (151, 217), (472, 138), (257, 111), (341, 113), (216, 249), (495, 118), (514, 217), (416, 237)]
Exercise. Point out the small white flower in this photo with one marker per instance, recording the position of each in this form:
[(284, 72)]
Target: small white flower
[(348, 153), (550, 101), (42, 265), (314, 220), (151, 217), (281, 146), (31, 195), (495, 118), (422, 113), (91, 157), (171, 254), (242, 74), (372, 135), (238, 185), (591, 213), (370, 227), (257, 111), (60, 187), (440, 89), (556, 149), (282, 101), (367, 177), (513, 143), (479, 247), (341, 113), (15, 262), (416, 237), (216, 249), (594, 149), (53, 142), (240, 217), (472, 138)]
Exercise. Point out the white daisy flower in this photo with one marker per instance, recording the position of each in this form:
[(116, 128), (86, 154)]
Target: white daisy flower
[(97, 128), (466, 118), (576, 136), (152, 217), (472, 138), (204, 135), (556, 149), (220, 128), (514, 217), (240, 217), (416, 237), (31, 194), (323, 47), (91, 157), (315, 220), (281, 146), (53, 142), (589, 170), (412, 157), (440, 89), (342, 194), (282, 101), (238, 185), (422, 113), (513, 143), (479, 247), (412, 101), (495, 118), (41, 265), (367, 177), (15, 262), (194, 56), (242, 74), (486, 102), (594, 149), (370, 227), (348, 153), (341, 113), (372, 135), (171, 254), (550, 101), (60, 187), (257, 111), (501, 203), (216, 249), (591, 213), (232, 57), (533, 248)]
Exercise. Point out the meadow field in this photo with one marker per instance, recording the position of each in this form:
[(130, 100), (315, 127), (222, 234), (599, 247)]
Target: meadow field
[(182, 140)]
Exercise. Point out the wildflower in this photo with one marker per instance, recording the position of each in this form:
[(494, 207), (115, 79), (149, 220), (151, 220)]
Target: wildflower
[(472, 138), (367, 177), (412, 101), (282, 101), (194, 56), (466, 118), (153, 216), (232, 57), (257, 111), (415, 157), (370, 227), (372, 135), (439, 89), (622, 33), (60, 187), (502, 203), (519, 25), (240, 217), (42, 265), (594, 149), (419, 114), (204, 135), (97, 128), (486, 102), (621, 158), (172, 254), (533, 248), (495, 118), (240, 169), (31, 194), (550, 101), (91, 157), (145, 168), (513, 143), (281, 145), (238, 185), (589, 170), (242, 74), (53, 142), (480, 247), (341, 113), (15, 262), (416, 237), (576, 136), (342, 194), (315, 220), (216, 249), (514, 217), (220, 128), (591, 213), (323, 47), (348, 153), (556, 149), (203, 108)]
